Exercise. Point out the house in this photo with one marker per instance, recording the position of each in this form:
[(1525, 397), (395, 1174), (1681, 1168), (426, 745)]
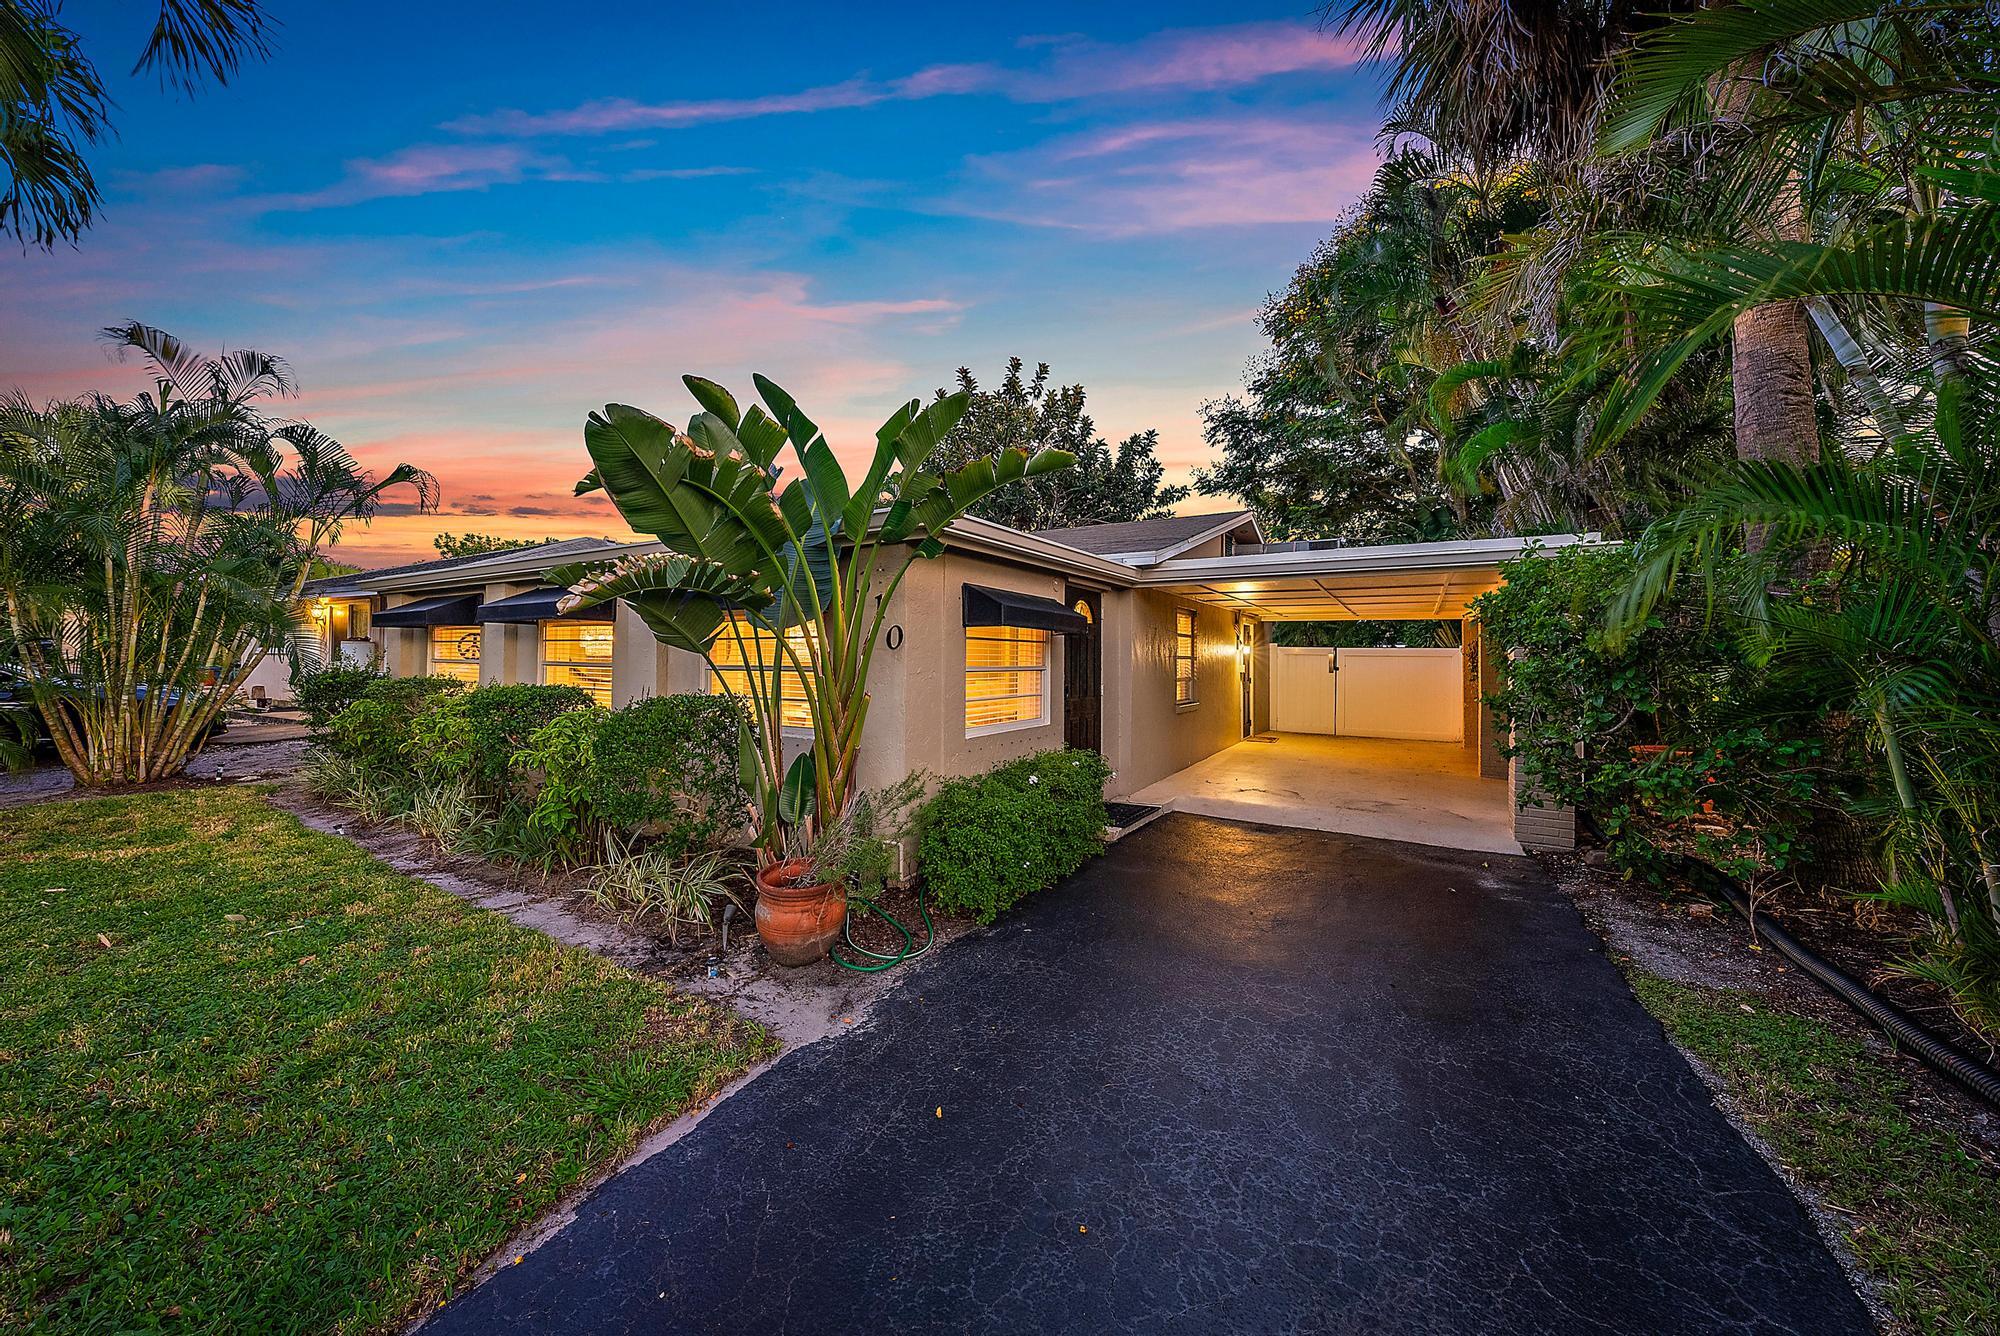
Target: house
[(1148, 642)]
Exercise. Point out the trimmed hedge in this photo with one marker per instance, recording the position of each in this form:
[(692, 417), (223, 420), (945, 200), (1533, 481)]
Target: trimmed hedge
[(375, 731), (988, 841), (664, 767), (325, 692), (476, 736)]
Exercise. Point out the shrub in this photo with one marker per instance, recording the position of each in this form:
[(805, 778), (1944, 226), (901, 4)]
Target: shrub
[(375, 731), (988, 841), (476, 736), (325, 692), (664, 768), (1675, 743)]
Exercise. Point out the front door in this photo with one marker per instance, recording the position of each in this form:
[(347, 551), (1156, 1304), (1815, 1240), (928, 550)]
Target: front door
[(1083, 673)]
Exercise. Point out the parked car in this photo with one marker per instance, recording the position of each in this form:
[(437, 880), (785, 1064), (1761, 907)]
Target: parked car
[(17, 708)]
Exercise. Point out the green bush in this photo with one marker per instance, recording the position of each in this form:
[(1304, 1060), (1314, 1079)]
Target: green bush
[(325, 692), (1676, 743), (375, 731), (664, 768), (476, 736), (988, 841)]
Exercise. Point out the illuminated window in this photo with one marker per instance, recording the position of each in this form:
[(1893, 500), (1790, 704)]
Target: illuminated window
[(1183, 657), (578, 654), (1006, 678), (746, 654), (455, 652)]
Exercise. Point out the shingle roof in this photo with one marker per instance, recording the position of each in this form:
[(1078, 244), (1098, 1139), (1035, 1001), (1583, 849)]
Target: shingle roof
[(330, 584), (1141, 535)]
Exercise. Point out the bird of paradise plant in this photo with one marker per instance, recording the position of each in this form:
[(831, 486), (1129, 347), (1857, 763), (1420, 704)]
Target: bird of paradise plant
[(806, 560)]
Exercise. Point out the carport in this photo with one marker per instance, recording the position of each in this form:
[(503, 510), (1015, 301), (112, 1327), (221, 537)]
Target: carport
[(1389, 743)]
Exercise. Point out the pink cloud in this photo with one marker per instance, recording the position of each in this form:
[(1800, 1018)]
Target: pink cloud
[(424, 169), (1176, 176), (1068, 69)]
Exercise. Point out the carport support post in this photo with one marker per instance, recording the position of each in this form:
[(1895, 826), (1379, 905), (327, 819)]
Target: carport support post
[(1485, 669), (1538, 824)]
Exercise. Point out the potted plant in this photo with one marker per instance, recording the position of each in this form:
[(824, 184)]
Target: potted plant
[(803, 565)]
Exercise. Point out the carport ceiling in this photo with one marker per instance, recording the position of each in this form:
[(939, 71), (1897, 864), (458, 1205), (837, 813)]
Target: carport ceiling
[(1405, 596), (1404, 582)]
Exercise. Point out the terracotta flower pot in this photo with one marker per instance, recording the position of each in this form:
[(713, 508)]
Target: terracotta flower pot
[(798, 924)]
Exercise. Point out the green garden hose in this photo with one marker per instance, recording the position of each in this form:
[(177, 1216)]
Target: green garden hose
[(884, 959)]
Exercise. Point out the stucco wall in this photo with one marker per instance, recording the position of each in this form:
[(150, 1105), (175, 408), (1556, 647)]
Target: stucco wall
[(405, 649), (916, 717), (1153, 735), (509, 653)]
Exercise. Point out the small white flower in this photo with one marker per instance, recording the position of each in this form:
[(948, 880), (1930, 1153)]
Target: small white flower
[(1034, 779)]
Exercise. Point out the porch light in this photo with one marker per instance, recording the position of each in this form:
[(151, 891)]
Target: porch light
[(322, 609)]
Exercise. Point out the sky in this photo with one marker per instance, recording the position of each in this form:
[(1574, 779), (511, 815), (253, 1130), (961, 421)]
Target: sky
[(467, 225)]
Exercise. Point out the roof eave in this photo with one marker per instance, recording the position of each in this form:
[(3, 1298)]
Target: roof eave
[(1465, 553)]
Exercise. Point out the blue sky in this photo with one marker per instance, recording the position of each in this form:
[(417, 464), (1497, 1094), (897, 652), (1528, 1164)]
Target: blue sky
[(467, 225)]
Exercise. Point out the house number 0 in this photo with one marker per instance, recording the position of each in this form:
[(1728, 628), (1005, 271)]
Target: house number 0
[(895, 637)]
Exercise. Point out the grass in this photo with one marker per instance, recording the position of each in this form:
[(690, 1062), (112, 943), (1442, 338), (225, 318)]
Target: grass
[(1923, 1214), (253, 1080)]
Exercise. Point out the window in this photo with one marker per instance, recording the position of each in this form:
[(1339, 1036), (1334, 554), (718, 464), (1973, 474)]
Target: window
[(1183, 656), (1006, 678), (744, 656), (578, 654), (455, 652)]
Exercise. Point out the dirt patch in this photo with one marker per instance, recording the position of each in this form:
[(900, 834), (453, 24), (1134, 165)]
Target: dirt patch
[(237, 763), (1681, 938)]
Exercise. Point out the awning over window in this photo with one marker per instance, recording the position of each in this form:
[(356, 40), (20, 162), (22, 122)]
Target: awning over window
[(1004, 607), (539, 605), (444, 610)]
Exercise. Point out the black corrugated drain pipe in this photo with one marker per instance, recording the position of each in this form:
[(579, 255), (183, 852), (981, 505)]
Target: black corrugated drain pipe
[(1961, 1067)]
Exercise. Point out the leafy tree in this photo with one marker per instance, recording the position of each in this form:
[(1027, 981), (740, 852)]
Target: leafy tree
[(152, 552), (479, 544), (793, 568), (1106, 486), (53, 104)]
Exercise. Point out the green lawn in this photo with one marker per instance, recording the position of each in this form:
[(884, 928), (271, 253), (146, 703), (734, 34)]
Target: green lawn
[(1922, 1215), (253, 1080)]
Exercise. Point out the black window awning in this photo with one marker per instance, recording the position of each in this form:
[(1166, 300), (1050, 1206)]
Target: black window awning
[(444, 610), (539, 605), (1004, 607)]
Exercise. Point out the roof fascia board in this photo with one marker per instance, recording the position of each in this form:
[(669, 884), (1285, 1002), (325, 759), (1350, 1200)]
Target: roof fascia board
[(968, 533), (1474, 553)]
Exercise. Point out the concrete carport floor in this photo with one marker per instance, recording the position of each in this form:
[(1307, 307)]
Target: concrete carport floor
[(1226, 1079), (1418, 792)]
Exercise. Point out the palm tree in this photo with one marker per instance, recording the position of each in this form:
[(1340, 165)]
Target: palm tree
[(152, 553), (1501, 81), (53, 104)]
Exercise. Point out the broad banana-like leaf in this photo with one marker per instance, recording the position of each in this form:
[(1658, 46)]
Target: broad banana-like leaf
[(684, 600), (798, 797), (715, 399)]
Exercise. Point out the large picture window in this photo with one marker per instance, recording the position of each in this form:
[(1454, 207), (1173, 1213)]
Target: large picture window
[(744, 656), (1006, 678), (455, 653), (1184, 657), (578, 654)]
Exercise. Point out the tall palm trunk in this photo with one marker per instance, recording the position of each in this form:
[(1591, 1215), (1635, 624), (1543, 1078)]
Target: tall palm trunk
[(1771, 345), (1771, 365)]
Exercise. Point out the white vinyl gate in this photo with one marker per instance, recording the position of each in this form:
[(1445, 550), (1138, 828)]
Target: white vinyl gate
[(1376, 693)]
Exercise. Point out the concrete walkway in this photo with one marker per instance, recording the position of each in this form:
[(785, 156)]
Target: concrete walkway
[(1227, 1079), (1418, 792)]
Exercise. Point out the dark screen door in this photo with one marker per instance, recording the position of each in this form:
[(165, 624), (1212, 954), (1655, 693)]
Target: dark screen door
[(1083, 674)]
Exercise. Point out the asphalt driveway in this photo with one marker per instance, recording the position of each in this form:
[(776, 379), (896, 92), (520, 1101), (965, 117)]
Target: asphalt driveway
[(1228, 1079)]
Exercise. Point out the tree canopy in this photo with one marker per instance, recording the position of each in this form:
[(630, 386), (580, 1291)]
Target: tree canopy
[(1106, 485)]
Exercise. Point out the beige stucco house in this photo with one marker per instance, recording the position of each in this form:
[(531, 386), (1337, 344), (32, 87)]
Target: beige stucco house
[(1149, 642)]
